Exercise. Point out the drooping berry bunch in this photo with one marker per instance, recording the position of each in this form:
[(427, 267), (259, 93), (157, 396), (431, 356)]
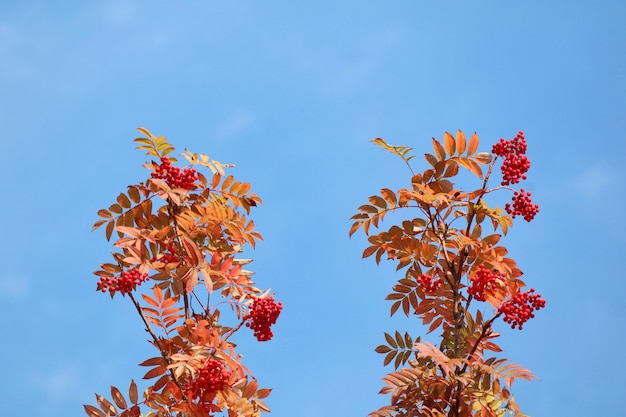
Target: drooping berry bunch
[(125, 283), (263, 314), (173, 175), (428, 284), (522, 206), (483, 280), (515, 164), (519, 309), (211, 379)]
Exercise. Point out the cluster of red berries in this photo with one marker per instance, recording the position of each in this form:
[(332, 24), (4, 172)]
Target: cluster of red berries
[(427, 283), (169, 256), (515, 164), (522, 206), (483, 280), (125, 283), (173, 176), (519, 309), (211, 379), (263, 314)]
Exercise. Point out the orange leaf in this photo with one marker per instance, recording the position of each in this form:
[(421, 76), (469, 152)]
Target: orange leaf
[(263, 392), (431, 159), (389, 195), (133, 192), (460, 143), (448, 141), (153, 373), (435, 324), (150, 300), (168, 302), (439, 150), (227, 182), (473, 144), (192, 249), (378, 201), (171, 311), (157, 360), (215, 180), (368, 209), (471, 165), (369, 251)]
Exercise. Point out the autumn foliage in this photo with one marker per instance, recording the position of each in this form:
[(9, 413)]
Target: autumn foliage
[(455, 277), (177, 239)]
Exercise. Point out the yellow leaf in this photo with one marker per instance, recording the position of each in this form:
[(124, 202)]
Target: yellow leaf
[(145, 132)]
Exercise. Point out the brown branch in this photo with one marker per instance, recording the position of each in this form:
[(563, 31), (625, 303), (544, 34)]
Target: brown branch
[(158, 343)]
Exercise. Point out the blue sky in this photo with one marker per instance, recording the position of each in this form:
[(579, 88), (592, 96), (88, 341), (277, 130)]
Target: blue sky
[(292, 92)]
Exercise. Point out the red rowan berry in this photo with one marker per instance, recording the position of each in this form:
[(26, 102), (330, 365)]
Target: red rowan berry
[(515, 164), (173, 176), (211, 378), (125, 283), (170, 256), (519, 309), (427, 283), (263, 314), (522, 206), (483, 280)]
